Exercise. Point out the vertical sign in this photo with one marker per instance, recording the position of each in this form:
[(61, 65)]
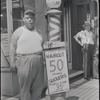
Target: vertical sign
[(56, 63)]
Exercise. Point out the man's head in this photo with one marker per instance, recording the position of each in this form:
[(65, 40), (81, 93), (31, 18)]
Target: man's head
[(29, 18), (87, 25)]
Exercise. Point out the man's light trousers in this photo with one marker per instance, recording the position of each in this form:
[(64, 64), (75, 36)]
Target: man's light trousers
[(31, 76)]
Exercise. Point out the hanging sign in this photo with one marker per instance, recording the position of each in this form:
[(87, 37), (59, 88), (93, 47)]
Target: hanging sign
[(53, 3), (57, 70)]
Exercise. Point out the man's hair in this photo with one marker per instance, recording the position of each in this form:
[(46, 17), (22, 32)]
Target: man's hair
[(29, 11), (87, 23)]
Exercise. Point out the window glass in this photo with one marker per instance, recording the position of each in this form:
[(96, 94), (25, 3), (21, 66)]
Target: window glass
[(17, 13), (3, 17), (4, 35)]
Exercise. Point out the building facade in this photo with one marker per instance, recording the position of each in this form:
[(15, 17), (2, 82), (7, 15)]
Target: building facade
[(74, 13)]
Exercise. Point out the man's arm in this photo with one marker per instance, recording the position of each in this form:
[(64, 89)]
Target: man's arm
[(78, 38), (13, 46), (40, 33)]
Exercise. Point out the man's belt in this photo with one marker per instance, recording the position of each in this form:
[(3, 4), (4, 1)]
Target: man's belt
[(37, 53)]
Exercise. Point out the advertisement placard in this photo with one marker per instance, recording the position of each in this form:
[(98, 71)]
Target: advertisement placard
[(57, 70), (4, 44)]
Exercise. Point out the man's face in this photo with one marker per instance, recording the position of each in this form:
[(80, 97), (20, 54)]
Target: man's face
[(87, 28), (29, 20)]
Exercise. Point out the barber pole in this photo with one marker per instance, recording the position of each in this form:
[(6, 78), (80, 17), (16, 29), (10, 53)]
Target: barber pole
[(54, 25), (54, 20)]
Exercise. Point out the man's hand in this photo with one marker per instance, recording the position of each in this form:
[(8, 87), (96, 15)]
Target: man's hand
[(13, 68), (49, 44), (78, 40), (85, 47)]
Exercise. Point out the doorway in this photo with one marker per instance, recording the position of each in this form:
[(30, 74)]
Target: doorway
[(78, 16)]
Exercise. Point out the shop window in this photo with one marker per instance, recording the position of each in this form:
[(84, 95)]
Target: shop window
[(4, 35), (17, 18), (3, 21), (17, 13), (17, 9)]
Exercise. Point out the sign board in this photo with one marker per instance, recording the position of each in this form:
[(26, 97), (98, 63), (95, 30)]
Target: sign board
[(4, 44), (57, 70)]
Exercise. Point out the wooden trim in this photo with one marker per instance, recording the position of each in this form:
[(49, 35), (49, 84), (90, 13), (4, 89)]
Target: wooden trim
[(70, 37), (9, 19), (5, 70), (64, 24), (67, 32)]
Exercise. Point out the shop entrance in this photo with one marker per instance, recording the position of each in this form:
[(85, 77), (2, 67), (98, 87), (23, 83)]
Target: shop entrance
[(74, 14), (78, 16)]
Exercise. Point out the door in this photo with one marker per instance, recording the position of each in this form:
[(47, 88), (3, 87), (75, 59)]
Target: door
[(78, 16)]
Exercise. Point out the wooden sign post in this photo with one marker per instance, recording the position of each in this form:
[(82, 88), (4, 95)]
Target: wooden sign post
[(57, 70)]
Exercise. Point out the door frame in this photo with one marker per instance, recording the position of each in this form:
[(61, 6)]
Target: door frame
[(67, 32)]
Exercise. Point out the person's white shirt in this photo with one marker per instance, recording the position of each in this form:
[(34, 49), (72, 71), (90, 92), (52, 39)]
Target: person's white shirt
[(29, 42), (84, 37)]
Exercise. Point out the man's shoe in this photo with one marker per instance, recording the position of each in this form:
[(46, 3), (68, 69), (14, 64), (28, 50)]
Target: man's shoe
[(44, 92), (88, 79)]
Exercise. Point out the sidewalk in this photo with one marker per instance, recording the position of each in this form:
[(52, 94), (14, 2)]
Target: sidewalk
[(84, 90), (79, 90)]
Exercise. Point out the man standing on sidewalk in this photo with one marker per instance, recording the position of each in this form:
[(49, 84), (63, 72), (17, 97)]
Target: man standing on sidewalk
[(26, 57), (86, 39)]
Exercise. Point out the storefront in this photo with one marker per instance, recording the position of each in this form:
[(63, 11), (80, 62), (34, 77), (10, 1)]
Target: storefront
[(11, 18), (74, 13)]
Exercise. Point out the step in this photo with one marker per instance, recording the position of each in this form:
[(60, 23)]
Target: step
[(74, 73)]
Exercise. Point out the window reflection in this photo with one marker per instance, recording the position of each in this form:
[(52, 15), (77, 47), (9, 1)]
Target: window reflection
[(3, 21), (17, 14)]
